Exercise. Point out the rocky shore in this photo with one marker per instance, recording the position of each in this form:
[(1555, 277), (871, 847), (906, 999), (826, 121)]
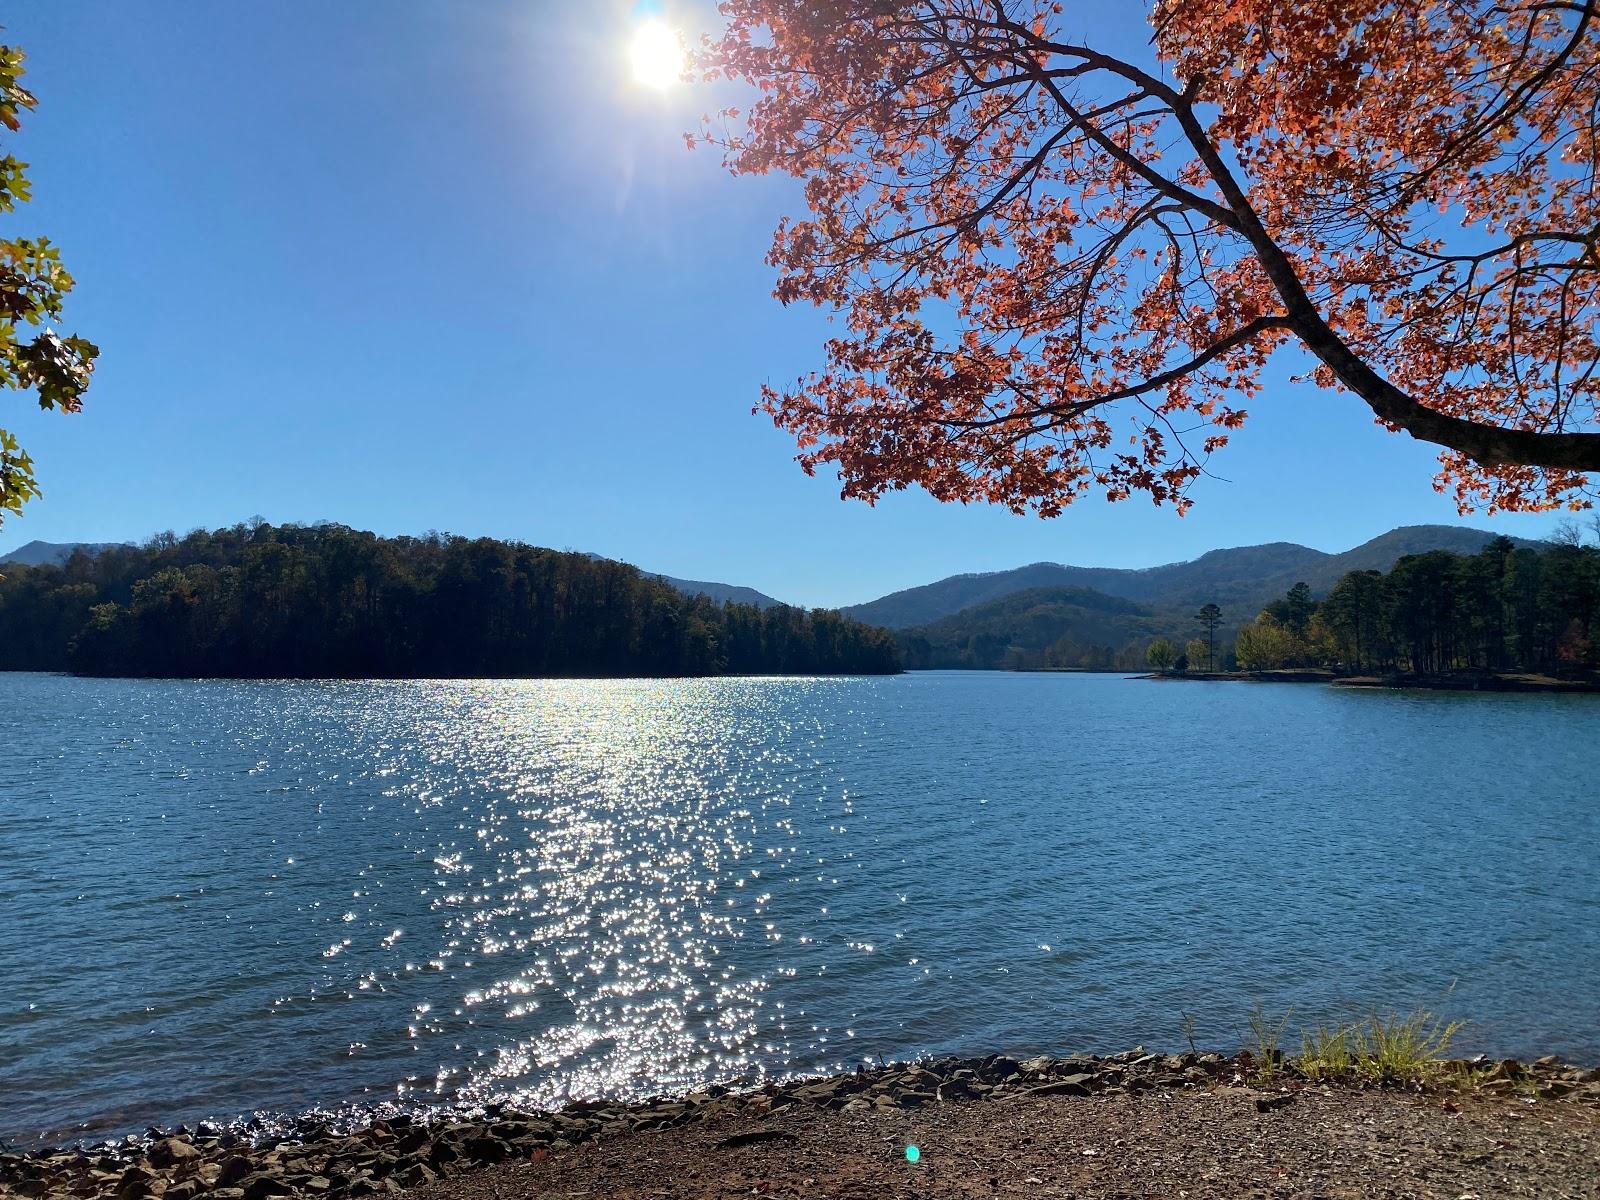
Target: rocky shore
[(399, 1153)]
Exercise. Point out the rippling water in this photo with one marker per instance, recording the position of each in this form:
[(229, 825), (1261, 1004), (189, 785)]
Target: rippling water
[(222, 897)]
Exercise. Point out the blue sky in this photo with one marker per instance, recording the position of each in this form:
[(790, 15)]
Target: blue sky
[(423, 264)]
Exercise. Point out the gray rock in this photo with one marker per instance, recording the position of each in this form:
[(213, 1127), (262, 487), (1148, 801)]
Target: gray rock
[(956, 1089), (411, 1141), (137, 1182), (521, 1129), (234, 1168), (263, 1186), (1000, 1066), (818, 1093), (442, 1152), (415, 1176)]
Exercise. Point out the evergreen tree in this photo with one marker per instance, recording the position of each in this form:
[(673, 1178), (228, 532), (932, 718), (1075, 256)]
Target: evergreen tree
[(1210, 616)]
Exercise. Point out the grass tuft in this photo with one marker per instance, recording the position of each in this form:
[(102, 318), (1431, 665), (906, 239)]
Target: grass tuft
[(1265, 1036), (1381, 1049), (1407, 1049), (1326, 1053), (1384, 1049)]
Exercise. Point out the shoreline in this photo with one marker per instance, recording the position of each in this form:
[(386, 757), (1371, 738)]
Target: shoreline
[(1474, 681), (404, 1151), (1289, 675)]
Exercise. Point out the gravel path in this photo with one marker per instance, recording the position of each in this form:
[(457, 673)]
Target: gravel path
[(1334, 1144)]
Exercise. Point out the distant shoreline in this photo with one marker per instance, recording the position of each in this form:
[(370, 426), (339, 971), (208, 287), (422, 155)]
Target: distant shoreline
[(1475, 681)]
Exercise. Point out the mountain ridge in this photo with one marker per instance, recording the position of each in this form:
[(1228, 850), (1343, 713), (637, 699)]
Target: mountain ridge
[(722, 593), (1240, 577), (52, 554)]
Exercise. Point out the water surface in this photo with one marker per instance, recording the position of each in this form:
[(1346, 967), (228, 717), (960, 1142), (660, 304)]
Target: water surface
[(223, 896)]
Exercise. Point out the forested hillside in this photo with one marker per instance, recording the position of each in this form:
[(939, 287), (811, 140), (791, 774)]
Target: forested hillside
[(1504, 608), (292, 601), (1241, 579), (1066, 627)]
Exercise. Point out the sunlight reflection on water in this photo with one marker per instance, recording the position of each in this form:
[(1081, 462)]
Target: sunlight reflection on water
[(607, 850)]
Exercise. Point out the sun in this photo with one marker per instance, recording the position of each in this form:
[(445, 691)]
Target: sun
[(656, 53)]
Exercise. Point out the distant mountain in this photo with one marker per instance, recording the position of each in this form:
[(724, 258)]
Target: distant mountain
[(52, 554), (1241, 579), (722, 593), (1077, 626)]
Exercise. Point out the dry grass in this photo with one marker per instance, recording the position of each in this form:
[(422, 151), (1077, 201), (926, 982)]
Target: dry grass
[(1383, 1049)]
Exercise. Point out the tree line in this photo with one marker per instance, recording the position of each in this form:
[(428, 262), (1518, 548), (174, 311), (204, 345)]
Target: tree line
[(1503, 609), (1044, 627), (328, 601)]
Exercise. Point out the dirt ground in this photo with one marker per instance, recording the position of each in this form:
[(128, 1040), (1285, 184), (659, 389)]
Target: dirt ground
[(1329, 1144)]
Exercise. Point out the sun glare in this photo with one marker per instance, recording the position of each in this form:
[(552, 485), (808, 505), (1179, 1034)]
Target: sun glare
[(657, 54)]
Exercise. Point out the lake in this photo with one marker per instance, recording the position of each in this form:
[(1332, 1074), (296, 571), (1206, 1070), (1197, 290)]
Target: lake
[(223, 897)]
